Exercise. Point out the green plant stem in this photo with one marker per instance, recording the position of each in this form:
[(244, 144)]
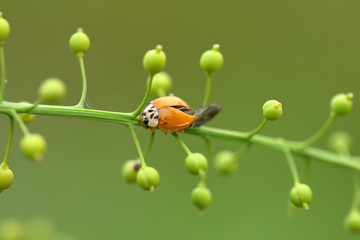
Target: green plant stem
[(258, 129), (149, 145), (292, 165), (356, 198), (325, 127), (19, 121), (137, 144), (127, 118), (243, 151), (143, 102), (202, 181), (84, 83), (208, 147), (305, 173), (207, 89), (183, 145), (8, 147), (3, 73), (34, 105)]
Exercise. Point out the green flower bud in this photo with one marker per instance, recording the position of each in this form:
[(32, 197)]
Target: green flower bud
[(340, 142), (12, 229), (301, 195), (148, 178), (26, 117), (4, 29), (196, 163), (130, 170), (52, 91), (341, 104), (33, 146), (6, 177), (154, 60), (272, 110), (201, 197), (79, 42), (352, 222), (225, 162), (161, 84), (212, 60)]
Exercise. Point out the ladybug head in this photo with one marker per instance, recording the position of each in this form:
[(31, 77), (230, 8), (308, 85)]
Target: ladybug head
[(150, 116)]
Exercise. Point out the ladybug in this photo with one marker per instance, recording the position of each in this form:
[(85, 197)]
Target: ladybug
[(172, 114)]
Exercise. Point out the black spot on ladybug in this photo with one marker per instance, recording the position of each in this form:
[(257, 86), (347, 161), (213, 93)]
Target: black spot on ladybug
[(150, 110), (156, 117), (152, 116), (152, 106), (146, 121), (143, 114)]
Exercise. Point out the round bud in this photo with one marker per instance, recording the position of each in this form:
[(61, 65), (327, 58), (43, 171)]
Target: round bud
[(196, 163), (154, 60), (6, 177), (130, 170), (341, 104), (272, 110), (225, 162), (4, 29), (12, 229), (52, 91), (201, 197), (340, 142), (148, 178), (79, 42), (352, 222), (26, 117), (33, 146), (161, 84), (212, 60), (301, 195)]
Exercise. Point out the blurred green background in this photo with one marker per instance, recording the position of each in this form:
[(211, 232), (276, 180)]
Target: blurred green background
[(298, 52)]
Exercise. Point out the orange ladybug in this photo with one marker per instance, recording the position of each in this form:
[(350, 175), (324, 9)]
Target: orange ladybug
[(172, 114)]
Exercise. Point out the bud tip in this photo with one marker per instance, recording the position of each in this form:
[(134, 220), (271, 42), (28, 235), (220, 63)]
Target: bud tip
[(159, 48), (216, 47)]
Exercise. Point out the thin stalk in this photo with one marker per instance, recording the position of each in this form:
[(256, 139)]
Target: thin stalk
[(22, 125), (84, 83), (202, 182), (149, 145), (356, 199), (243, 151), (137, 144), (34, 105), (208, 147), (306, 170), (3, 73), (292, 165), (207, 89), (183, 145), (143, 102), (325, 127), (8, 147), (258, 129)]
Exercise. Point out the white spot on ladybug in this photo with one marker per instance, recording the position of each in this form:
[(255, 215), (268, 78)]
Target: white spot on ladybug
[(150, 116)]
